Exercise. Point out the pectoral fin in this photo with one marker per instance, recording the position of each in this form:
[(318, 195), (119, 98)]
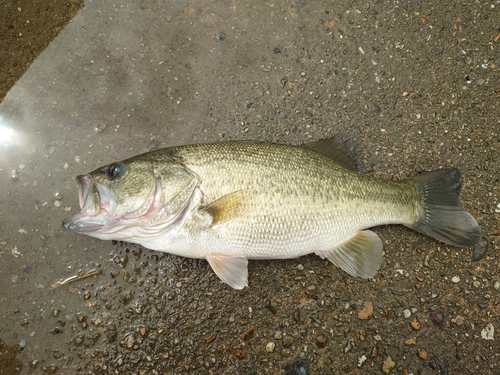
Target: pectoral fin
[(233, 270), (228, 206), (360, 256)]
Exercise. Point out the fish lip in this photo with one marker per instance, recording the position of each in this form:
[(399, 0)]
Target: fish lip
[(78, 223)]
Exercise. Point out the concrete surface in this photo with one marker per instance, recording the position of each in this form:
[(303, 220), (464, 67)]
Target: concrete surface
[(414, 84)]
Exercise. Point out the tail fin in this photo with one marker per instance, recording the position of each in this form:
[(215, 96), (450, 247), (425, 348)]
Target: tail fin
[(442, 216)]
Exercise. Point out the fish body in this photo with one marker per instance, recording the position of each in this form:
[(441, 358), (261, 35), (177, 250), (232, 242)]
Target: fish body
[(233, 201)]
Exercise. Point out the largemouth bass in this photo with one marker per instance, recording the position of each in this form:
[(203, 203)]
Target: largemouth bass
[(234, 201)]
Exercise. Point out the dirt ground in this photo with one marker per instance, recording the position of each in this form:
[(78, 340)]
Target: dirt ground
[(26, 28), (414, 84)]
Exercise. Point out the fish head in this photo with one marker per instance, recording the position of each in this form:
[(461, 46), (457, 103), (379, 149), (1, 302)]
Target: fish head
[(113, 197), (139, 200)]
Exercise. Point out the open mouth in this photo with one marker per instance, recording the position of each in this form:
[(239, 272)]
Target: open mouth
[(98, 210), (88, 196), (93, 199)]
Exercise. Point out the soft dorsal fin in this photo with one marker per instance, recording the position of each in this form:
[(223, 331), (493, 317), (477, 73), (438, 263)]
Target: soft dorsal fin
[(338, 148)]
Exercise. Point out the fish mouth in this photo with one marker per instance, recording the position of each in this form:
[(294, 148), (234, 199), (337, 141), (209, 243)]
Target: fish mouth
[(96, 201)]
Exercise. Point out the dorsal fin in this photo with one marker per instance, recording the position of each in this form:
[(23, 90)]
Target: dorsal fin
[(338, 148)]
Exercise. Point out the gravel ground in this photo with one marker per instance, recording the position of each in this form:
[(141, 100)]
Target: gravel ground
[(414, 84)]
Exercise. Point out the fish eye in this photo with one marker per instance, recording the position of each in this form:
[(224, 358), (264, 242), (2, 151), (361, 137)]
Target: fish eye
[(113, 171)]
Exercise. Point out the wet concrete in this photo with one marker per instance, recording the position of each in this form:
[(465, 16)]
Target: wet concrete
[(415, 85)]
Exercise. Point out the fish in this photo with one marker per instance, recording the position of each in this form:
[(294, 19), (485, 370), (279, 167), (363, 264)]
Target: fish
[(230, 202)]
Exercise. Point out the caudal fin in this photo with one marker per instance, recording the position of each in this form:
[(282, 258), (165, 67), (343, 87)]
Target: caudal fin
[(442, 216)]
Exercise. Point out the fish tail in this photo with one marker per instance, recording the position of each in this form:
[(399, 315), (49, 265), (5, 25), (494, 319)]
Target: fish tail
[(441, 216)]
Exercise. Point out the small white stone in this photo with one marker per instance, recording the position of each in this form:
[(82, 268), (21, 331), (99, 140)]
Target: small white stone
[(406, 313), (455, 279), (488, 332), (270, 347), (497, 285), (300, 267), (361, 360)]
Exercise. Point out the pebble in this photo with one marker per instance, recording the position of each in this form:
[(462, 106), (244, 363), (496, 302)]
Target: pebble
[(458, 320), (488, 333), (288, 342), (362, 335), (415, 324), (300, 267), (321, 340), (22, 344), (366, 311), (278, 335), (296, 316), (455, 279), (388, 365), (412, 341), (129, 341), (298, 367), (361, 360), (422, 354), (437, 317), (406, 313), (270, 347), (248, 333), (497, 285)]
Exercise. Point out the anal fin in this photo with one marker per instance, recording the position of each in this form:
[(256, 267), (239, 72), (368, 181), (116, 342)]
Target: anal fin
[(360, 256), (233, 270)]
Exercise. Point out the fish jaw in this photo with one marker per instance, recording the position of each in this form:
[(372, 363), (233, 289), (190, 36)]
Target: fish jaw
[(101, 218), (96, 201)]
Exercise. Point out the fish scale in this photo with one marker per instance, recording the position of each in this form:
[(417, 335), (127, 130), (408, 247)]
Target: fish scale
[(233, 201)]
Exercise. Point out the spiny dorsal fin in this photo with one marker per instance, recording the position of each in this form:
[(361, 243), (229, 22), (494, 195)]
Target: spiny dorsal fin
[(338, 148)]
